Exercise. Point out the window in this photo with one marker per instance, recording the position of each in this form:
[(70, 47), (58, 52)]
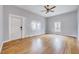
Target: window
[(57, 26), (35, 25)]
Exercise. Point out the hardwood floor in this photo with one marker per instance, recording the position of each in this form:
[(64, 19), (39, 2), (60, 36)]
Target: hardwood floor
[(42, 44)]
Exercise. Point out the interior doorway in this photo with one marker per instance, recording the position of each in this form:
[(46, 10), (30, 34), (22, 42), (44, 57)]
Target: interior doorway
[(16, 26)]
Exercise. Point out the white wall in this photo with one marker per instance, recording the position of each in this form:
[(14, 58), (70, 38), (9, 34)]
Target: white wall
[(68, 21), (1, 26), (29, 18), (1, 23), (68, 24), (78, 22)]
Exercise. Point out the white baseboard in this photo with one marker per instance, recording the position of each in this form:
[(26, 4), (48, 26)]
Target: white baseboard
[(22, 37), (1, 47), (12, 39)]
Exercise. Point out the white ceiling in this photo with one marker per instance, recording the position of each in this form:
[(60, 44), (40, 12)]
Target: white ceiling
[(60, 9)]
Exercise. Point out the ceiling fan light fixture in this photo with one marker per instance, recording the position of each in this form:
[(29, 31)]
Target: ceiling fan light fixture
[(49, 8)]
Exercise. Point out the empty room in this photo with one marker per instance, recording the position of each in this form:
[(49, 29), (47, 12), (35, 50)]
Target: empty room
[(39, 29)]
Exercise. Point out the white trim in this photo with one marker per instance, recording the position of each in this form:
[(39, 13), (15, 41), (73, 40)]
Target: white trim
[(42, 34), (23, 37), (12, 39), (10, 15), (1, 45)]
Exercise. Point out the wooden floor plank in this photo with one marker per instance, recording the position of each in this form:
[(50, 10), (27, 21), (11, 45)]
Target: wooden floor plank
[(43, 44)]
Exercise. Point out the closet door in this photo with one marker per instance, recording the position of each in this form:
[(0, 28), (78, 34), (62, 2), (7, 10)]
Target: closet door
[(15, 23)]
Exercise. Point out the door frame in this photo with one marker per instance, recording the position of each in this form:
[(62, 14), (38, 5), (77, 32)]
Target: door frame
[(10, 15)]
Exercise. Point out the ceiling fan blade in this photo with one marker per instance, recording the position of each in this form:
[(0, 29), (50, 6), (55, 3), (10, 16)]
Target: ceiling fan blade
[(43, 10), (51, 10), (47, 12), (45, 7), (53, 7)]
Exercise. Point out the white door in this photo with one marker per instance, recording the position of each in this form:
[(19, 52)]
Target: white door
[(15, 23)]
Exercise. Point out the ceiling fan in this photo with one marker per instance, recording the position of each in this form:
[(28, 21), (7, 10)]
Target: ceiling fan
[(49, 8)]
